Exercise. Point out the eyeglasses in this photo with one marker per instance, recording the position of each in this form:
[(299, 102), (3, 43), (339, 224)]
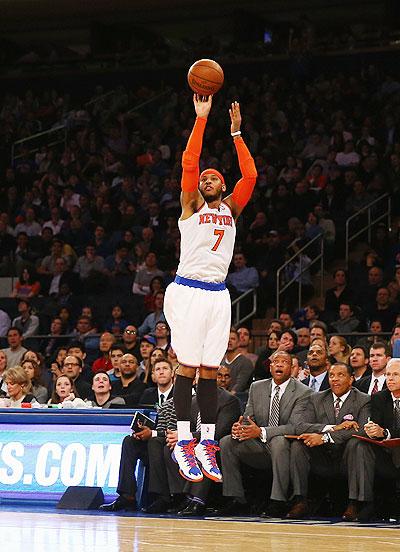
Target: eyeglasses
[(162, 326), (71, 364), (131, 332)]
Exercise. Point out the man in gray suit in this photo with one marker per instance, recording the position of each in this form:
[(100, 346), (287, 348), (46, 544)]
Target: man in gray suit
[(257, 439), (326, 446)]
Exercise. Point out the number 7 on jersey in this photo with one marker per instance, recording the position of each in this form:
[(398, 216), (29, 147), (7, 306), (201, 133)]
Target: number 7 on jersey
[(220, 234)]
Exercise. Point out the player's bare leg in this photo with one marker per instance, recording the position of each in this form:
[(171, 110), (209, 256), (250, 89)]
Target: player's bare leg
[(207, 397), (184, 453)]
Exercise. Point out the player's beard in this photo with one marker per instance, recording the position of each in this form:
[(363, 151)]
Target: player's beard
[(209, 198)]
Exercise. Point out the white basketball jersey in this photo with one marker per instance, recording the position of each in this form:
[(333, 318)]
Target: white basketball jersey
[(207, 242)]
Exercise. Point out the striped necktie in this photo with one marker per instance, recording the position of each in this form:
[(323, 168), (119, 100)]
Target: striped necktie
[(337, 406), (375, 388), (274, 414)]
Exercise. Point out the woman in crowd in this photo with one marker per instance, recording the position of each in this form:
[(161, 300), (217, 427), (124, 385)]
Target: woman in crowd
[(117, 324), (261, 370), (339, 293), (27, 285), (33, 371), (19, 388), (3, 366), (156, 284), (339, 349), (101, 387), (64, 390), (146, 376)]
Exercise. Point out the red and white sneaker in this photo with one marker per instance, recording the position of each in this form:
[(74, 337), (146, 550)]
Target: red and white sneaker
[(185, 458), (205, 453)]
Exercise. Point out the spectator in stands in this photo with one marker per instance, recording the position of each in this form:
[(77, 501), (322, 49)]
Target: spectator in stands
[(48, 264), (129, 386), (27, 285), (3, 366), (339, 349), (55, 223), (5, 322), (33, 371), (163, 378), (366, 296), (243, 278), (103, 364), (288, 341), (145, 274), (18, 386), (287, 320), (64, 390), (30, 226), (117, 324), (262, 367), (147, 345), (348, 157), (162, 335), (241, 367), (245, 339), (73, 367), (89, 263), (27, 322), (147, 376), (383, 310), (378, 358), (65, 316), (358, 361), (120, 266), (317, 362), (130, 340), (15, 350), (149, 324), (395, 336), (347, 322), (340, 293), (224, 377), (24, 254), (102, 388), (156, 284), (303, 338), (116, 353), (54, 339), (394, 286), (57, 363)]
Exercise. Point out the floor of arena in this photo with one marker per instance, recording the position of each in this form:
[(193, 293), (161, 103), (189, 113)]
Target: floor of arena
[(41, 529)]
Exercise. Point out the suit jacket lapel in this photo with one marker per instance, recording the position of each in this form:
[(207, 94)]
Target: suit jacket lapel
[(328, 407), (266, 402), (347, 407), (286, 399)]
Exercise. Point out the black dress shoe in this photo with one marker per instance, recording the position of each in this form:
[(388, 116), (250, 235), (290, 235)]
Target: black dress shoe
[(159, 506), (233, 508), (275, 509), (193, 509), (119, 504)]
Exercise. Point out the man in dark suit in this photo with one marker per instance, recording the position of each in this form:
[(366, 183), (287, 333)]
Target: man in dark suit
[(326, 447), (134, 447), (129, 385), (257, 439), (152, 397), (378, 358), (164, 479), (385, 424), (317, 362)]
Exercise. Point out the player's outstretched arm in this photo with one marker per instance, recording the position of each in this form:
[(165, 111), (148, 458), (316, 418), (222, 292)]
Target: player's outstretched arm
[(244, 188), (191, 198)]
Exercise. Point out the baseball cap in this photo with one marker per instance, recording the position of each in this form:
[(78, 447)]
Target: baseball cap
[(150, 339), (273, 233)]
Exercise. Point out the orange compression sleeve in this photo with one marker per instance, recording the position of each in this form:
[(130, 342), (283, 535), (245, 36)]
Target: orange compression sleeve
[(245, 186), (191, 156)]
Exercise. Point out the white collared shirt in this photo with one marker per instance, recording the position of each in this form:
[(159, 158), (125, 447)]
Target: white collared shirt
[(318, 381), (381, 380), (165, 393), (282, 389)]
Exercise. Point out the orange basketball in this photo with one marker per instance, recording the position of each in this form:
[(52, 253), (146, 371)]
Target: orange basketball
[(205, 77)]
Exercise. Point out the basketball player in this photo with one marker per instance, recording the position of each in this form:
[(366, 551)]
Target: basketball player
[(197, 304)]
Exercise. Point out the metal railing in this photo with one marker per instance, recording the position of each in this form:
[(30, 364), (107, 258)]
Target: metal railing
[(370, 208), (281, 287), (36, 141), (238, 319)]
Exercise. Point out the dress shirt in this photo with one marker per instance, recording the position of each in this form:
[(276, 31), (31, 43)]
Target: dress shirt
[(282, 389), (165, 393), (319, 379), (381, 380)]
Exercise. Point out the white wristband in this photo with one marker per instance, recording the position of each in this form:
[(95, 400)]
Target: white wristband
[(237, 133)]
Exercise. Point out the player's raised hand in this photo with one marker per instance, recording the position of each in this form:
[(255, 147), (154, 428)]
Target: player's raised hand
[(202, 105), (236, 117)]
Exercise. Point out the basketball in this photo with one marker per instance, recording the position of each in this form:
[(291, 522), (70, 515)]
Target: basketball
[(205, 77)]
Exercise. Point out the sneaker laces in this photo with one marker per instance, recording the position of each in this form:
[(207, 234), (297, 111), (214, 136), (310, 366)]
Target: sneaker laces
[(210, 449), (188, 452)]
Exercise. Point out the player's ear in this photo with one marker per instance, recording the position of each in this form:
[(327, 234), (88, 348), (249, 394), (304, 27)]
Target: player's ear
[(223, 188)]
